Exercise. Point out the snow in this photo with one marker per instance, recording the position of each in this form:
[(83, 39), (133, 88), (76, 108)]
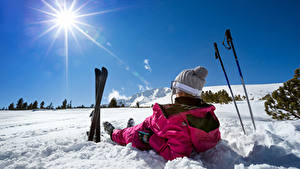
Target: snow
[(57, 139)]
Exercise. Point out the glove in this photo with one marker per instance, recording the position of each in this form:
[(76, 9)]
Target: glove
[(145, 136)]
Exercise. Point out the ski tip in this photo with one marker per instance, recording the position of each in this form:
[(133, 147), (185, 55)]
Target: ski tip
[(97, 70), (102, 72), (104, 69)]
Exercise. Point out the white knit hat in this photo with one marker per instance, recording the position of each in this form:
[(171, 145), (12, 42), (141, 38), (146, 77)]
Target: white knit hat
[(190, 81)]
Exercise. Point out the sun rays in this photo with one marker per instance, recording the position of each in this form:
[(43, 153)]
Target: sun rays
[(64, 18)]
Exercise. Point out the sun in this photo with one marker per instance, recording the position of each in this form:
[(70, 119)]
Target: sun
[(66, 19), (64, 16)]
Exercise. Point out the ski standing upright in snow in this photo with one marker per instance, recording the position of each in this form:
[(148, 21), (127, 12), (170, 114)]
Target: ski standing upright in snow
[(229, 46), (100, 76)]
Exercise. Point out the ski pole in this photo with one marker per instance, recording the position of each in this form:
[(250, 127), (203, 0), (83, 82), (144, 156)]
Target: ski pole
[(231, 46), (217, 55)]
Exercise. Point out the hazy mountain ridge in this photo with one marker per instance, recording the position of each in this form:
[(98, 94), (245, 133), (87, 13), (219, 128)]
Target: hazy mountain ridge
[(145, 96)]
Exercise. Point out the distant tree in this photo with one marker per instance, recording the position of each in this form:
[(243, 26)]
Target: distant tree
[(284, 103), (19, 104), (64, 104), (82, 106), (138, 104), (11, 106), (42, 105), (238, 98), (244, 97), (208, 96), (220, 97), (24, 106), (30, 106), (113, 103), (69, 106), (122, 105), (50, 106), (266, 97), (223, 97), (92, 106), (35, 105)]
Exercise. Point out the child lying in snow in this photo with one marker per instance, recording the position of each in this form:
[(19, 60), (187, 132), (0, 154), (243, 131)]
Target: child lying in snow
[(175, 130)]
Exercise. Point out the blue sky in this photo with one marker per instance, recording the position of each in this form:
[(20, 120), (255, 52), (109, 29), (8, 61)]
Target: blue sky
[(154, 41)]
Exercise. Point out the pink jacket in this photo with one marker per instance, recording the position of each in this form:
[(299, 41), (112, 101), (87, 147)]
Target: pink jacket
[(173, 136)]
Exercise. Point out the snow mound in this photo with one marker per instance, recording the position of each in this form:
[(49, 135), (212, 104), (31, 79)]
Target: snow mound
[(184, 163)]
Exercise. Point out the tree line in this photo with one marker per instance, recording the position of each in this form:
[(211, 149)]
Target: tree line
[(114, 104), (208, 96), (221, 97), (22, 105)]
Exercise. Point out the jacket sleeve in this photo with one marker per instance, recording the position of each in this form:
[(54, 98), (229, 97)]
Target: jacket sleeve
[(176, 143)]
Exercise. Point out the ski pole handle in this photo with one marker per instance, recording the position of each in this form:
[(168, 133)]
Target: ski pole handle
[(228, 35)]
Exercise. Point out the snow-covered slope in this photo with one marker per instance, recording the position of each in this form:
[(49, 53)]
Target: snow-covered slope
[(57, 139), (163, 95)]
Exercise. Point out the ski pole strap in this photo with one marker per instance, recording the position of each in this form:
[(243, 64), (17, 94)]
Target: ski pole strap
[(228, 35), (228, 39)]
